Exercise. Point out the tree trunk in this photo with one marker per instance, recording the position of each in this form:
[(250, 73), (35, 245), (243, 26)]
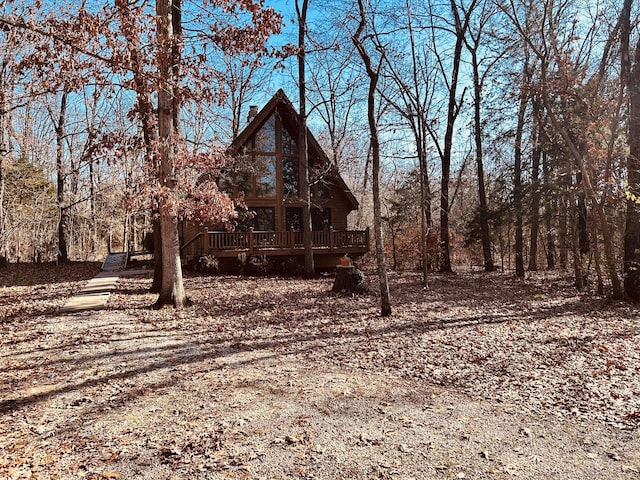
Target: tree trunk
[(425, 216), (93, 235), (3, 229), (420, 134), (517, 175), (548, 212), (63, 219), (596, 256), (4, 150), (536, 194), (172, 289), (631, 76), (349, 279), (452, 113), (373, 75), (305, 189), (482, 195), (156, 285)]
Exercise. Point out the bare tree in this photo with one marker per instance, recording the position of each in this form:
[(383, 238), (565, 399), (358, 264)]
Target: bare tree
[(461, 18), (473, 44), (412, 101), (373, 72), (63, 208)]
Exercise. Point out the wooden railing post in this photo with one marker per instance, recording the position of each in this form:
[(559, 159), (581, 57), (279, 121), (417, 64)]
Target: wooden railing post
[(292, 238), (251, 240), (331, 239)]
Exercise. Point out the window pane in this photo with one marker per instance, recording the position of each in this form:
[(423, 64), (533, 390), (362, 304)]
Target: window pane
[(320, 219), (264, 218), (290, 177), (294, 218), (289, 145), (265, 139), (265, 175)]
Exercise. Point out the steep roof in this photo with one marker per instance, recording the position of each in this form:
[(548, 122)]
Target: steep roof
[(281, 103)]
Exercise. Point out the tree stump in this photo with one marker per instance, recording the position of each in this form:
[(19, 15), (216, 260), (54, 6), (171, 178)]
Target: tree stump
[(349, 279)]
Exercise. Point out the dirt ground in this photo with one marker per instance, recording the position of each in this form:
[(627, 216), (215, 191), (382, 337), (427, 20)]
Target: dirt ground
[(479, 377)]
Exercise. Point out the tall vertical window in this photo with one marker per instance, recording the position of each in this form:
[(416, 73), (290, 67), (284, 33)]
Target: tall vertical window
[(265, 168), (290, 177), (289, 145), (293, 218), (265, 138)]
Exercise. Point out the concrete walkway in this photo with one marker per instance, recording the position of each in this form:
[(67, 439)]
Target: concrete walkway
[(95, 294)]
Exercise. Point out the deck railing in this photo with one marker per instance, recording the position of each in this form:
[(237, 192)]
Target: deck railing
[(275, 243)]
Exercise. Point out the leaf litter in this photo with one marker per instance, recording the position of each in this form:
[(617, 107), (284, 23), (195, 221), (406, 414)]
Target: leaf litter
[(480, 376)]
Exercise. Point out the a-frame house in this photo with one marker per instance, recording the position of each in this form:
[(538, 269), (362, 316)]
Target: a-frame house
[(268, 175)]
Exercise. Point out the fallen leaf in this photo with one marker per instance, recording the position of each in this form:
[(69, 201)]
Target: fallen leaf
[(111, 476)]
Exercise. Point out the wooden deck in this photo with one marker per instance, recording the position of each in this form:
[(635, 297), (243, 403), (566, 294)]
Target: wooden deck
[(257, 243)]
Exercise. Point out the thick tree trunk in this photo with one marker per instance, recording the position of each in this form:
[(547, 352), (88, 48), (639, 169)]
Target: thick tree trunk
[(172, 289), (305, 191), (349, 279)]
